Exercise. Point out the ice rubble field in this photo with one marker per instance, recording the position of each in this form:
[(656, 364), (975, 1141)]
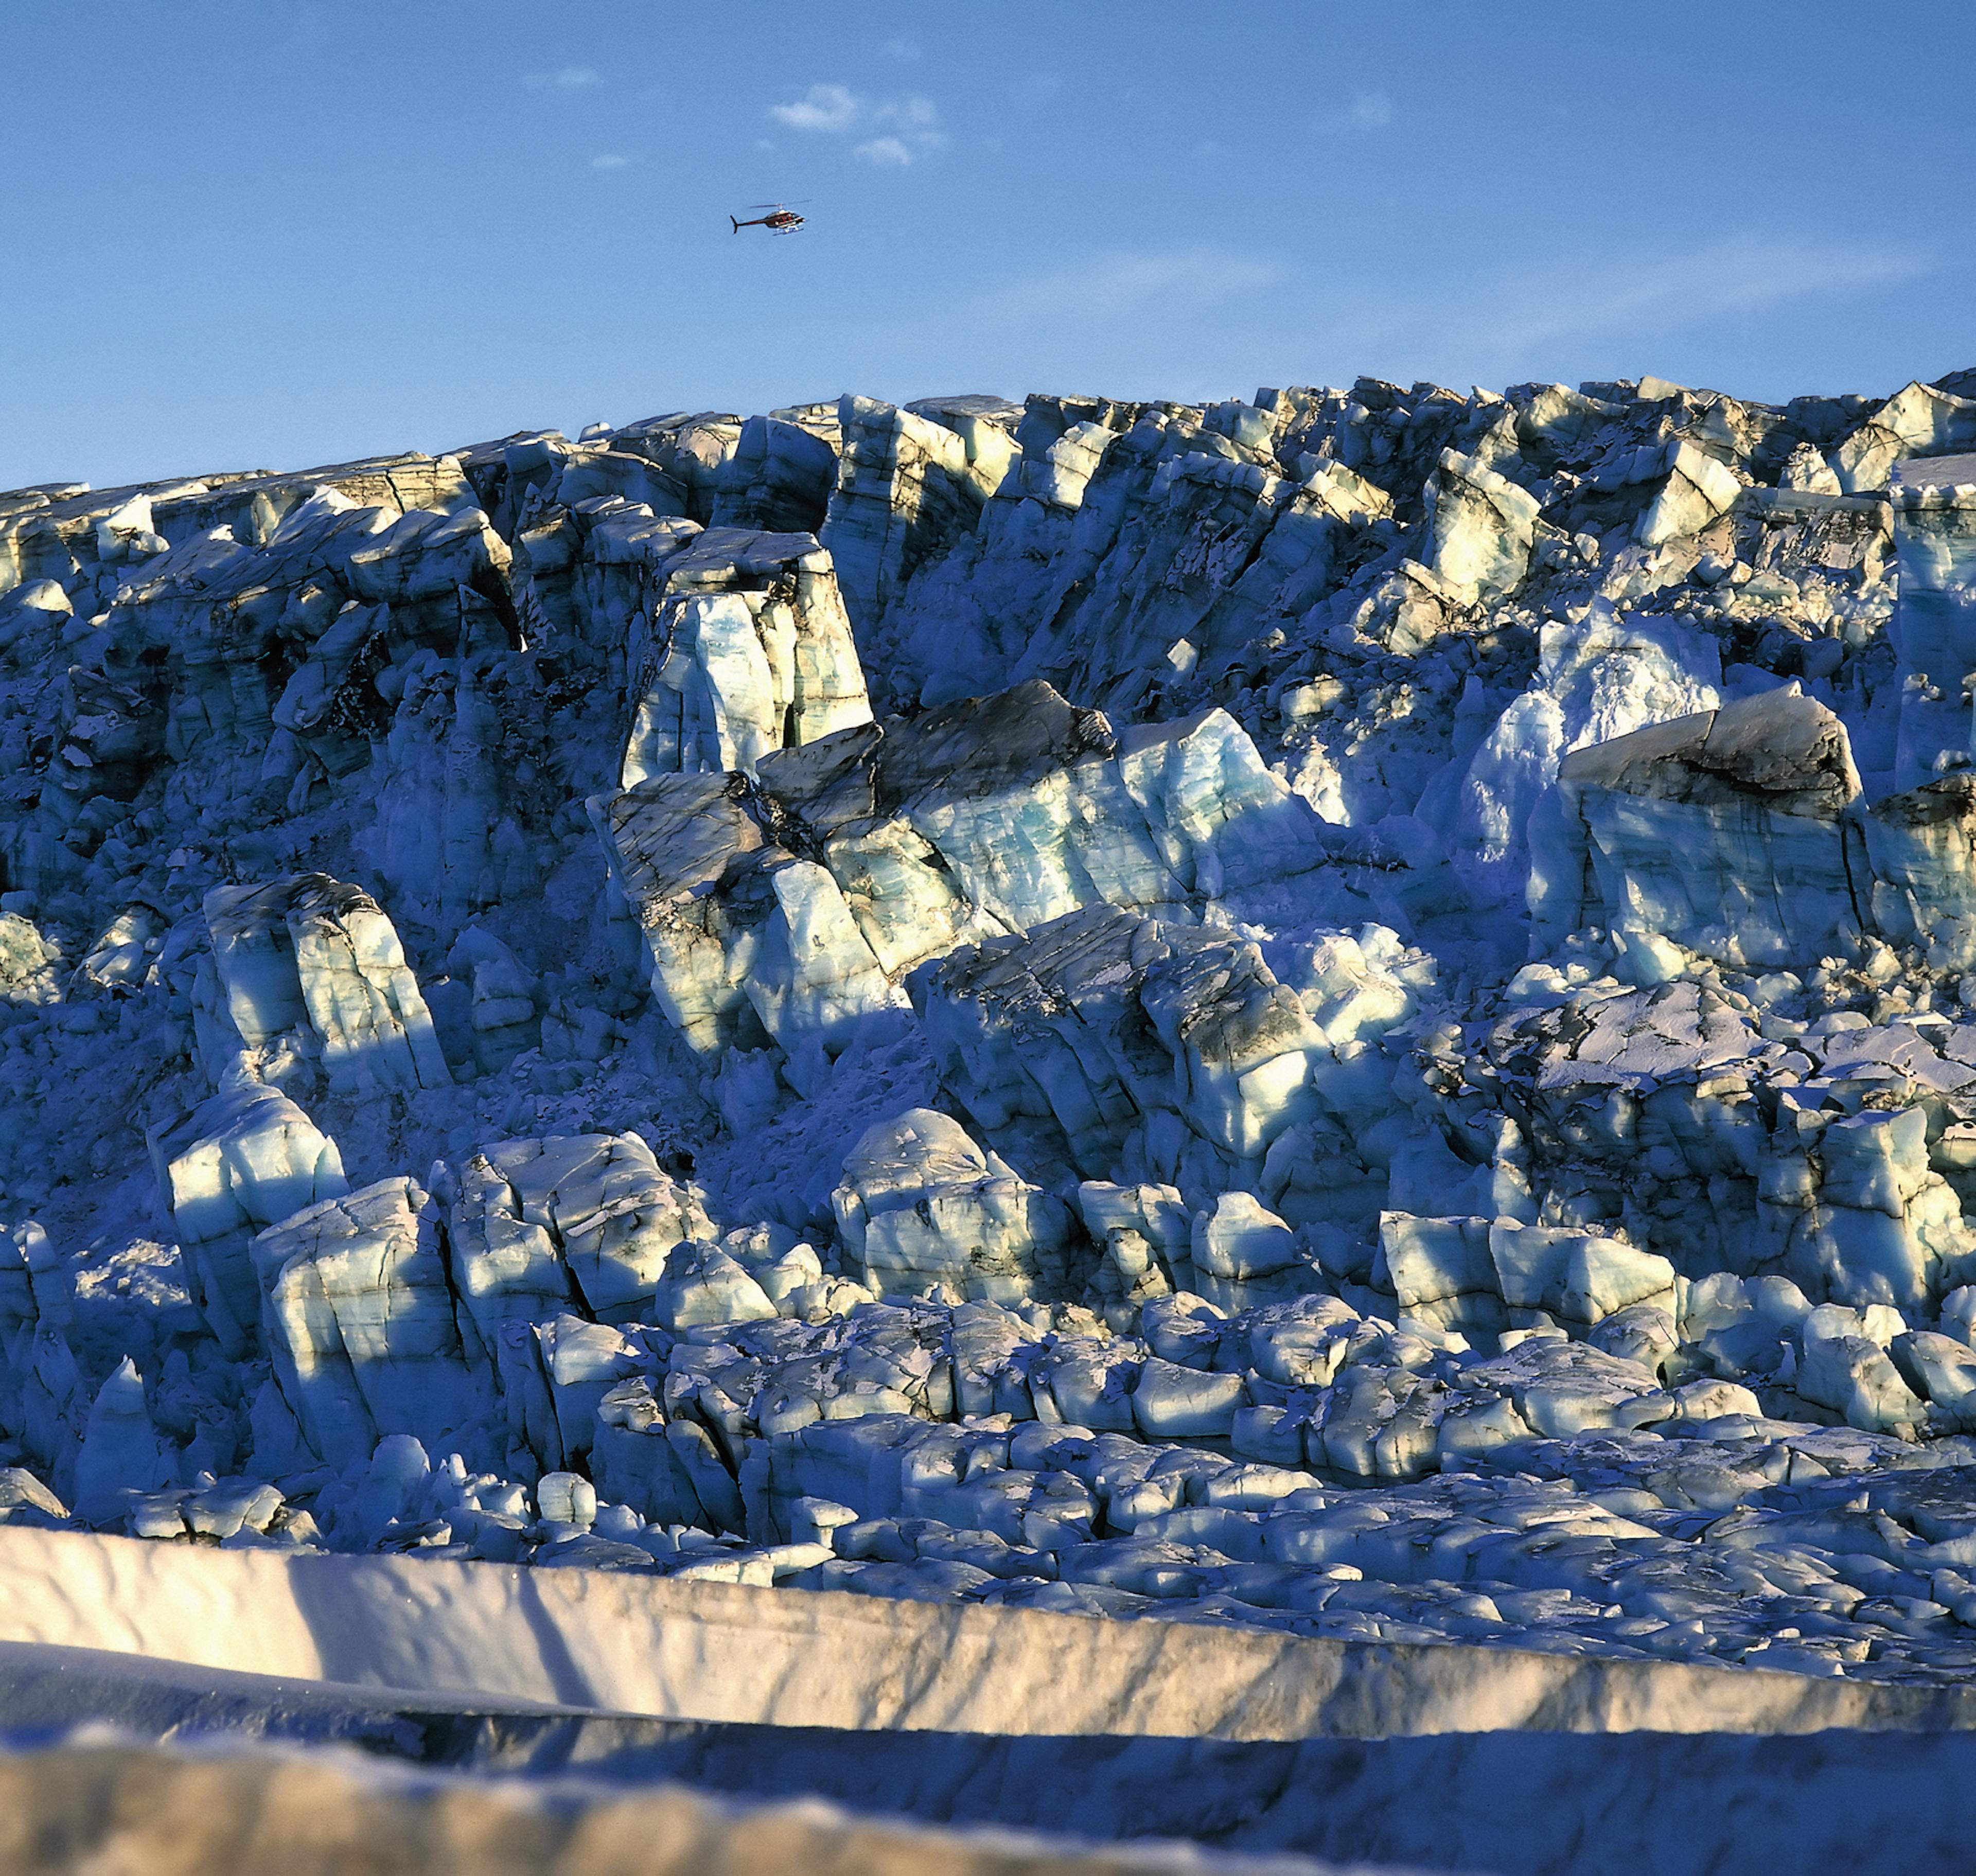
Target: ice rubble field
[(1338, 1019)]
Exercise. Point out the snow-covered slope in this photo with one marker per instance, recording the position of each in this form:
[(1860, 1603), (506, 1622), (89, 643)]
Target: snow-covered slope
[(102, 1806)]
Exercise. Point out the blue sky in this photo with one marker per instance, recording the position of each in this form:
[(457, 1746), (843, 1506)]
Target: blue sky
[(263, 233)]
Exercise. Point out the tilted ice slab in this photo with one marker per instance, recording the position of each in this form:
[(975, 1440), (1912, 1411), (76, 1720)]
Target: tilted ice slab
[(359, 1322), (314, 954), (536, 1225), (1484, 527), (245, 1160), (921, 1204), (1919, 420)]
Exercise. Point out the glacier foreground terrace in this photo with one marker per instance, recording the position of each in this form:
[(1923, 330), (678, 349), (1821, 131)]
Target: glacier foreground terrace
[(1347, 1019)]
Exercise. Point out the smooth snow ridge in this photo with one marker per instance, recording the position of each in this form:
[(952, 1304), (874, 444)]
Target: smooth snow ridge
[(604, 1641)]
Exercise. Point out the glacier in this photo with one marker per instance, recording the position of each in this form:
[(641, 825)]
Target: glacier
[(1348, 1015)]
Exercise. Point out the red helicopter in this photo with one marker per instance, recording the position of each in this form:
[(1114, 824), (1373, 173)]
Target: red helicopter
[(781, 219)]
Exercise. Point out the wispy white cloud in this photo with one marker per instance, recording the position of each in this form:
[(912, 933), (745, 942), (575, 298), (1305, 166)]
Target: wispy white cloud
[(915, 127), (1368, 111), (910, 124), (904, 51), (570, 78), (1194, 320), (912, 113), (1742, 273), (822, 107), (1590, 308), (609, 163), (1113, 284)]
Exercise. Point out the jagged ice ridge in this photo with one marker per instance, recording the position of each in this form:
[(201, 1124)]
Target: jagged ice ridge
[(1348, 1012)]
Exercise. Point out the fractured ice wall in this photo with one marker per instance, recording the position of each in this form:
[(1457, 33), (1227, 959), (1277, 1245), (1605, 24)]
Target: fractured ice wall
[(1129, 1049), (1381, 934), (906, 489), (1922, 846), (747, 651), (1934, 626), (789, 912), (1597, 678)]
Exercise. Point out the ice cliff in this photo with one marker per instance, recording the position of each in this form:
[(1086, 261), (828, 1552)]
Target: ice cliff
[(1354, 1010)]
